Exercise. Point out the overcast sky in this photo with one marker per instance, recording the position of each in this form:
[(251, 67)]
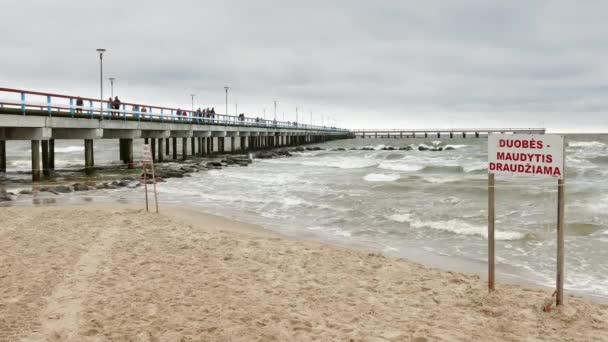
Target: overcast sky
[(366, 64)]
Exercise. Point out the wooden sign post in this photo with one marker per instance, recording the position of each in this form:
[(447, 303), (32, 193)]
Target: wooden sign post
[(148, 161), (527, 155)]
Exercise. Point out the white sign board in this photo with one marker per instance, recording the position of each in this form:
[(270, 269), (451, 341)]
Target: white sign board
[(526, 154), (147, 153)]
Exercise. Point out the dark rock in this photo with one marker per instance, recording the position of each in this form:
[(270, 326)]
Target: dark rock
[(188, 169), (63, 189), (301, 149), (448, 148), (213, 164), (339, 149), (367, 148), (389, 148), (317, 148), (5, 197), (423, 148), (242, 164), (25, 192), (123, 183), (170, 174), (406, 148), (284, 153), (266, 155), (81, 187)]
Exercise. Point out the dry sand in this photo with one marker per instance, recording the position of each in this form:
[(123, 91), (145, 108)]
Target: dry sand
[(119, 274)]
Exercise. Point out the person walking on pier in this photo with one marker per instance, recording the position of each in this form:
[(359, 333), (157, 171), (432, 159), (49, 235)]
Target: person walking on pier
[(116, 105), (79, 104)]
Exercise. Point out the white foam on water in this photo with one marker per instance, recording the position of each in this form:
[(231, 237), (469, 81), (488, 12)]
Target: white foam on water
[(586, 144), (443, 180), (333, 162), (400, 165), (463, 228), (69, 149), (475, 166), (455, 146), (381, 177), (401, 218)]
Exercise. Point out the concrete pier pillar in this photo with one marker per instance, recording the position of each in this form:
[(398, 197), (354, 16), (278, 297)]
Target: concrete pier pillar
[(52, 154), (167, 144), (209, 146), (45, 158), (2, 156), (161, 150), (129, 153), (204, 146), (451, 135), (145, 141), (184, 148), (232, 144), (121, 150), (153, 148), (193, 146), (89, 160), (174, 148), (36, 172), (242, 144)]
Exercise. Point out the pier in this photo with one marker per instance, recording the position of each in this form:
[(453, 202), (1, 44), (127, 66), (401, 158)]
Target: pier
[(434, 132), (43, 118)]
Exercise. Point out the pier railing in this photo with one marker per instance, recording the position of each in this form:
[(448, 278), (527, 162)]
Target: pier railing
[(25, 102)]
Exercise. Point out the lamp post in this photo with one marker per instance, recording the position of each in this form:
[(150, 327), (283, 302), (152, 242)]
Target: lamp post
[(275, 110), (112, 86), (101, 51), (192, 96), (226, 87), (296, 115)]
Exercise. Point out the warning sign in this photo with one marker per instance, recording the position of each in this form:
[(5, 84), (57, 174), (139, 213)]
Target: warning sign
[(526, 154)]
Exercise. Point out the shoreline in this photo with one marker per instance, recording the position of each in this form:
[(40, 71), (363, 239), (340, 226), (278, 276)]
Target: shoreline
[(417, 255), (110, 271)]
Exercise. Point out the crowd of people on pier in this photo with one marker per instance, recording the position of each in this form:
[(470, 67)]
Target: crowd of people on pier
[(204, 115)]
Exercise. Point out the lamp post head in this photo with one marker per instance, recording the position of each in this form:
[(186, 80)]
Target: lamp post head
[(112, 79), (101, 51)]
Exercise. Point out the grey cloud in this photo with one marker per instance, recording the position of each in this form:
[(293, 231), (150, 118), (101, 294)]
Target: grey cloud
[(367, 64)]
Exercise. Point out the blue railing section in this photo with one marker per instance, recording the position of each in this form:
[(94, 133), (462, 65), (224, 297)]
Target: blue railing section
[(102, 110)]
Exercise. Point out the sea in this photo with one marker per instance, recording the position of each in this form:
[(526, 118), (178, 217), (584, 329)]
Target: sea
[(425, 206)]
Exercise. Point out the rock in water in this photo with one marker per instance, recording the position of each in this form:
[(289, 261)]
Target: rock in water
[(80, 187), (423, 148), (63, 189)]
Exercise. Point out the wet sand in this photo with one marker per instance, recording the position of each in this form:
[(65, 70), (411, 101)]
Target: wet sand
[(116, 273)]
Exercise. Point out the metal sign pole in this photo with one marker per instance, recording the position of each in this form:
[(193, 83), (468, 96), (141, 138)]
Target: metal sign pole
[(145, 185), (560, 242), (491, 222), (154, 182)]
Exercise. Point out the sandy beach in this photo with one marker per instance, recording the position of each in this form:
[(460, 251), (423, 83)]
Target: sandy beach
[(110, 273)]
